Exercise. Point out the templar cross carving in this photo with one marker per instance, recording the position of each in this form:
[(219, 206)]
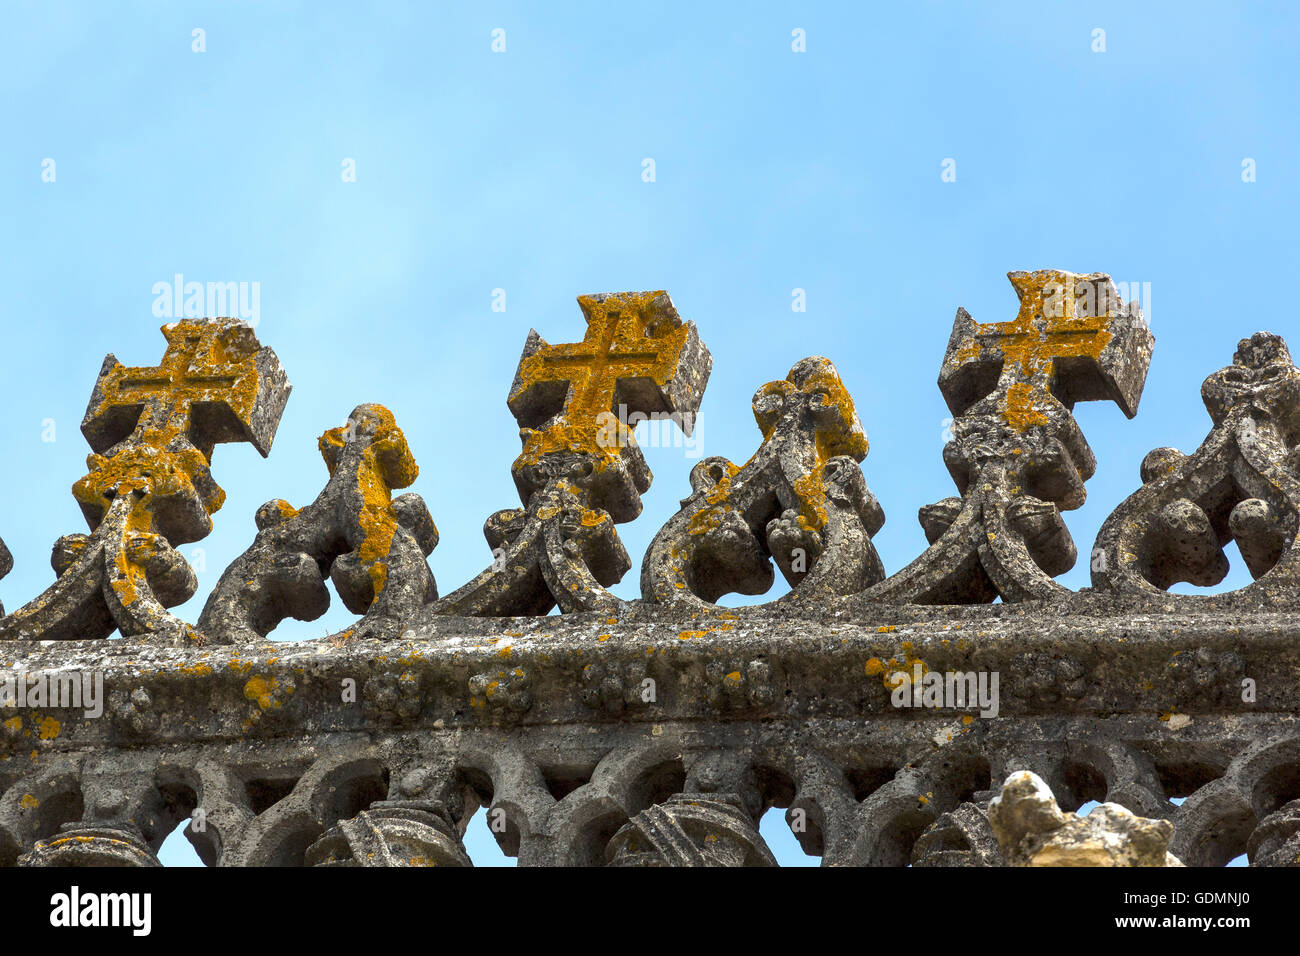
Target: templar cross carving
[(1062, 344), (149, 486), (580, 470), (1017, 454), (637, 359)]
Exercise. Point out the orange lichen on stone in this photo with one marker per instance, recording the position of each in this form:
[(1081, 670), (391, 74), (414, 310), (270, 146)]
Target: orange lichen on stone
[(205, 363), (717, 503), (263, 691), (387, 463), (1047, 328)]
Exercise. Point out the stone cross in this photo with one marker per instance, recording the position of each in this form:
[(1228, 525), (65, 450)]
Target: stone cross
[(1072, 338), (215, 383), (637, 358), (149, 487)]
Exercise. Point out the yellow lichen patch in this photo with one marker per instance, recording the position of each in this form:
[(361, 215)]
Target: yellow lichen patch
[(1047, 328), (194, 670), (895, 672), (14, 723), (628, 336), (386, 463), (29, 802), (205, 363), (842, 434), (716, 504), (48, 728), (238, 666), (1019, 409), (263, 691), (604, 637), (688, 635), (886, 628)]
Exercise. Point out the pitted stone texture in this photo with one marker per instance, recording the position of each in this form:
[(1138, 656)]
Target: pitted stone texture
[(1017, 455), (1033, 831), (392, 834), (1242, 485), (962, 837), (581, 471), (6, 565), (371, 545), (801, 500), (150, 487), (91, 847), (691, 829)]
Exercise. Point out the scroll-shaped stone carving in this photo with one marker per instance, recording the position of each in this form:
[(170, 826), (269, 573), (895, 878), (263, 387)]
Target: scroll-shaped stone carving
[(1242, 484), (581, 471), (392, 833), (371, 545), (691, 829), (1017, 455), (149, 487), (801, 500)]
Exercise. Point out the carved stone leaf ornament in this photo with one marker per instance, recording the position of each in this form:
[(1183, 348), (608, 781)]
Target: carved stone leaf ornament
[(660, 731)]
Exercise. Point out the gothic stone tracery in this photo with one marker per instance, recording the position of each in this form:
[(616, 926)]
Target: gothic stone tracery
[(659, 731)]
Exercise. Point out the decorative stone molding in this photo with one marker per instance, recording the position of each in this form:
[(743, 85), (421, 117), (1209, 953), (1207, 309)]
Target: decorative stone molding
[(660, 731)]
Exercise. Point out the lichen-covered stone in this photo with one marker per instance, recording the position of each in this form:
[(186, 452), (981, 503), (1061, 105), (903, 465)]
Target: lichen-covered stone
[(1033, 831)]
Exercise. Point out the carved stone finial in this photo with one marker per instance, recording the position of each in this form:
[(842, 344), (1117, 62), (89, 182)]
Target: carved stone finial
[(149, 487), (1242, 484), (1017, 455), (1033, 831), (371, 545), (581, 471), (801, 500)]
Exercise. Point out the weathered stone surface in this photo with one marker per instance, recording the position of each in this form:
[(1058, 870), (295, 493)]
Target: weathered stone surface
[(632, 732), (581, 471), (1242, 485), (801, 500), (6, 565), (1017, 455), (691, 829), (149, 487), (861, 779), (371, 545), (392, 833), (1033, 831)]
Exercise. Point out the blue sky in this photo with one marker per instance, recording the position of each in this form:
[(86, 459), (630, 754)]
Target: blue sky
[(522, 170)]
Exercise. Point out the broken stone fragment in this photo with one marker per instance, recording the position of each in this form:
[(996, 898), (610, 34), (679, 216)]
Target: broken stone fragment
[(1033, 831)]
